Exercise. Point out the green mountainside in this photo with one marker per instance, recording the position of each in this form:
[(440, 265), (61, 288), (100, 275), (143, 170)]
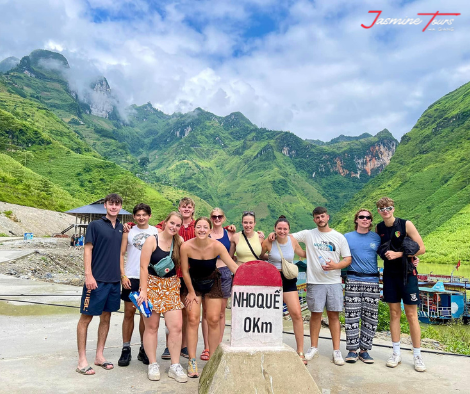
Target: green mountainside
[(76, 138), (428, 178)]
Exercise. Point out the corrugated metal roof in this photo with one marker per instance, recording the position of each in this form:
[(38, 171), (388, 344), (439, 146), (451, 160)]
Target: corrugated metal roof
[(94, 209)]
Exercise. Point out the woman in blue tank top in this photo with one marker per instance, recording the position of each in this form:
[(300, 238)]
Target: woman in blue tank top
[(225, 238), (288, 245)]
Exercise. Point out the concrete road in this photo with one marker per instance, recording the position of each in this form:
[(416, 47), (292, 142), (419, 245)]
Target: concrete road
[(38, 355), (7, 255)]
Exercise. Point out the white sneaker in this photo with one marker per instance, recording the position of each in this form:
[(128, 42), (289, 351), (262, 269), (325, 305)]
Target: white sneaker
[(311, 353), (176, 372), (419, 364), (337, 357), (153, 372), (394, 360)]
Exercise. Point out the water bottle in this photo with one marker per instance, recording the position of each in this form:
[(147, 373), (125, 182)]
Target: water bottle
[(145, 308), (323, 262)]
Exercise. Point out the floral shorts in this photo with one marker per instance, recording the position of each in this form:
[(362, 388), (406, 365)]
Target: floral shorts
[(164, 293)]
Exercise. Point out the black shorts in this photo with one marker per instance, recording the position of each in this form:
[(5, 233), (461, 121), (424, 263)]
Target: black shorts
[(288, 285), (395, 290), (105, 298), (135, 284)]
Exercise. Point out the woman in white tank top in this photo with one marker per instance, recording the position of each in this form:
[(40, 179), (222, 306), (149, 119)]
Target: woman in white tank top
[(289, 246)]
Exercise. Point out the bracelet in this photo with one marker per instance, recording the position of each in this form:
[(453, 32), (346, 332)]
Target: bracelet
[(123, 276)]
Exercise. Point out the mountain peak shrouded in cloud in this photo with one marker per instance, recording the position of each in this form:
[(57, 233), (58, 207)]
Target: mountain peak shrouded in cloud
[(8, 63), (47, 59)]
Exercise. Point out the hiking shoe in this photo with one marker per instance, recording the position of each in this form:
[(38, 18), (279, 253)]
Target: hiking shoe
[(366, 358), (311, 353), (142, 356), (126, 357), (153, 372), (351, 357), (337, 357), (184, 352), (419, 364), (176, 372), (394, 360), (192, 368), (166, 354)]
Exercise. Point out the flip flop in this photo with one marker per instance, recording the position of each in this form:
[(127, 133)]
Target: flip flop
[(302, 358), (205, 355), (105, 365), (84, 370)]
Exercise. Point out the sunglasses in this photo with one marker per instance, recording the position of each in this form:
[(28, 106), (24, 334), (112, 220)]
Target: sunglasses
[(364, 217), (248, 213), (388, 209), (215, 217)]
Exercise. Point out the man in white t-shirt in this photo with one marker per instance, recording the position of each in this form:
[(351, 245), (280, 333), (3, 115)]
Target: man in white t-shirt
[(132, 243), (325, 248)]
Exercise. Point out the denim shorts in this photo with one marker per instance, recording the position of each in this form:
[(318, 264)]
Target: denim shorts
[(320, 296)]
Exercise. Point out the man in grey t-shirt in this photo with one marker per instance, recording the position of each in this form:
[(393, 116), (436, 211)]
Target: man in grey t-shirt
[(325, 248)]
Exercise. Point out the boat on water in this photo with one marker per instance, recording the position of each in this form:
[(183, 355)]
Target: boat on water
[(438, 305)]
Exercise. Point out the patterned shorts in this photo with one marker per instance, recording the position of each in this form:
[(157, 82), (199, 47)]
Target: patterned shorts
[(164, 293)]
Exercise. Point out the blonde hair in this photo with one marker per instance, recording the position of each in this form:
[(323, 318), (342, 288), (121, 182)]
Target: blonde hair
[(385, 202)]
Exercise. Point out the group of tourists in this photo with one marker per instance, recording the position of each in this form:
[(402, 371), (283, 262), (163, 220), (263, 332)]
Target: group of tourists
[(183, 264)]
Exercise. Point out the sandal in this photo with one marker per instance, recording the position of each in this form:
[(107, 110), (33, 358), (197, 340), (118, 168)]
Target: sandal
[(302, 357), (85, 370), (205, 355), (105, 365)]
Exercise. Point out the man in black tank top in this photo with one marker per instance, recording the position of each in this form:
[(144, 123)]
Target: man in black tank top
[(395, 288)]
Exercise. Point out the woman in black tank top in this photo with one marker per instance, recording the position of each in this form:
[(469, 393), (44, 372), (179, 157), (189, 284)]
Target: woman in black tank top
[(164, 293), (202, 279)]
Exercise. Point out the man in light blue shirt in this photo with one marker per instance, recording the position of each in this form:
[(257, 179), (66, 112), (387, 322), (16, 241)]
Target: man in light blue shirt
[(362, 288)]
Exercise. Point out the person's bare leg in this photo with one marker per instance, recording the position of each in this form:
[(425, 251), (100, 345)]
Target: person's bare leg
[(141, 328), (291, 299), (150, 336), (395, 314), (204, 326), (192, 327), (335, 328), (212, 306), (128, 322), (223, 307), (315, 326), (174, 321), (184, 336), (82, 330), (411, 312), (103, 330)]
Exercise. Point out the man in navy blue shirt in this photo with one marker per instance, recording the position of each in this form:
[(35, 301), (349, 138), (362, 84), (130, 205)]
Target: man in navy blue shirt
[(362, 292), (101, 292)]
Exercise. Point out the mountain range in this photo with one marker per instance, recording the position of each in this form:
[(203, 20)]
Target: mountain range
[(73, 134)]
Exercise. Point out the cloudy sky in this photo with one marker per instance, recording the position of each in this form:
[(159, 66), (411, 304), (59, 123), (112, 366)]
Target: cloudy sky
[(303, 66)]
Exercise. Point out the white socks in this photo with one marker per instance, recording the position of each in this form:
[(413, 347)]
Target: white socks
[(416, 351), (396, 347)]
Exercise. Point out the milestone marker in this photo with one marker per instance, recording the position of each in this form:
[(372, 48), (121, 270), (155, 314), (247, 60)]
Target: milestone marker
[(256, 361)]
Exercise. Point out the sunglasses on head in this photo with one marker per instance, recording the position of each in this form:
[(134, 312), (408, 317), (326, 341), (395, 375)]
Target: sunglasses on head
[(364, 217), (214, 217), (388, 209), (248, 213)]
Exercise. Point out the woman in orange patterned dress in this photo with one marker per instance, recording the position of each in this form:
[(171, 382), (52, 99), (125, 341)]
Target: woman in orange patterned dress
[(163, 291)]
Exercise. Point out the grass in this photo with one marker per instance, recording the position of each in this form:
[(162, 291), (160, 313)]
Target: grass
[(454, 336)]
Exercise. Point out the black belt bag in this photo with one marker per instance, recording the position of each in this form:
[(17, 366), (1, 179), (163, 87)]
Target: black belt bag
[(362, 274)]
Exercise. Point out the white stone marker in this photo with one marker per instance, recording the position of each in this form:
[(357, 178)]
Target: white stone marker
[(256, 361)]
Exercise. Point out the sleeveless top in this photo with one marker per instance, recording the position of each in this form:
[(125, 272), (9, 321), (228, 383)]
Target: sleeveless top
[(156, 256), (201, 268), (287, 251), (396, 234), (225, 240), (243, 250)]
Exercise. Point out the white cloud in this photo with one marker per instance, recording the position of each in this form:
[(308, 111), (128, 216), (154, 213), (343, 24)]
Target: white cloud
[(319, 74)]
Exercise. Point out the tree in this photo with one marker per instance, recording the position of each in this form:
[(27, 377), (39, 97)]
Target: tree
[(131, 191)]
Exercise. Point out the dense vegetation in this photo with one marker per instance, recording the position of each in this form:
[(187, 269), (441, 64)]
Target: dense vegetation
[(428, 179)]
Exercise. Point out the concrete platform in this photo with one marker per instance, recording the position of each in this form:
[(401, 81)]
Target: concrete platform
[(7, 255), (38, 354)]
